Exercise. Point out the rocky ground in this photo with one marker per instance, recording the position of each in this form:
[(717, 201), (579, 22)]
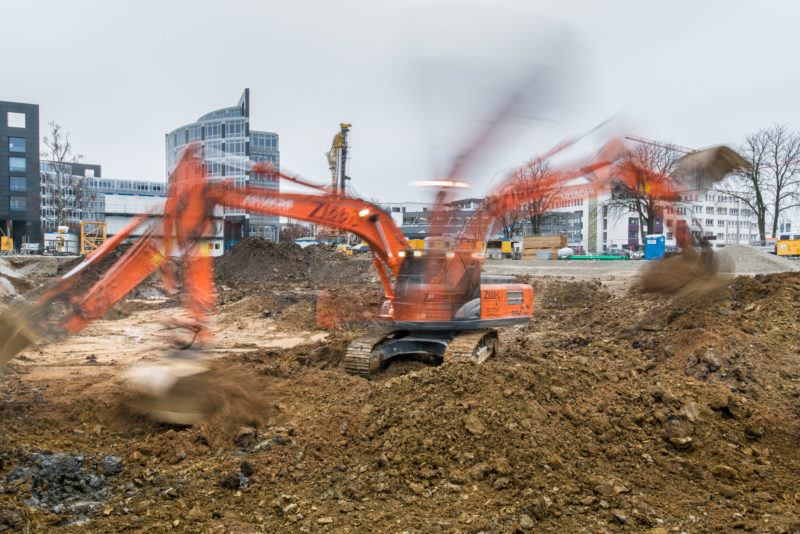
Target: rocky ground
[(612, 411)]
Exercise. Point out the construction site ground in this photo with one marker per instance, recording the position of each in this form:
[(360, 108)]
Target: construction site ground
[(613, 411)]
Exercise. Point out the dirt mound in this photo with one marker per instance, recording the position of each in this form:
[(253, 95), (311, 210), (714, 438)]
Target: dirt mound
[(742, 259), (609, 412), (256, 260)]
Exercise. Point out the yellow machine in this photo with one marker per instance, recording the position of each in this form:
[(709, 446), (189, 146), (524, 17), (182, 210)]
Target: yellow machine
[(6, 244), (93, 234), (788, 247)]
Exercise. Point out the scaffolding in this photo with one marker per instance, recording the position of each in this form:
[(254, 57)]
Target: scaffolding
[(93, 234)]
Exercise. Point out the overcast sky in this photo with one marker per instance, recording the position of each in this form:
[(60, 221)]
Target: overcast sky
[(418, 83)]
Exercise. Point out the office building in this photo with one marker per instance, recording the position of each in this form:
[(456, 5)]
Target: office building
[(230, 148), (19, 172)]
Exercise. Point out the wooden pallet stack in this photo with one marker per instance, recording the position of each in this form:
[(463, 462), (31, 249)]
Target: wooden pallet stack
[(530, 245)]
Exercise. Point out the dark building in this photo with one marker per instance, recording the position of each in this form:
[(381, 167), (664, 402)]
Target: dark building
[(19, 172)]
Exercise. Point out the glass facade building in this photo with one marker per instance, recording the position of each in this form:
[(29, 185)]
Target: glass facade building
[(86, 201), (230, 149)]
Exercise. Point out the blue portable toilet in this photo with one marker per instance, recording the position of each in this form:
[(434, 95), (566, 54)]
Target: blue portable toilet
[(654, 247)]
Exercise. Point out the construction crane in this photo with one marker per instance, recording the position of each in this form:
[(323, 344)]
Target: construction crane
[(337, 159)]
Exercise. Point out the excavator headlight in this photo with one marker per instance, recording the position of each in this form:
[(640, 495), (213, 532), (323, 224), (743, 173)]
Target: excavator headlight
[(401, 254), (477, 255), (417, 253), (364, 212), (450, 254)]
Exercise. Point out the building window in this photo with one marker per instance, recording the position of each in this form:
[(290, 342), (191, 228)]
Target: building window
[(17, 183), (234, 148), (234, 128), (213, 130), (16, 144), (633, 220), (720, 236), (709, 209), (16, 120), (16, 164), (722, 211), (194, 133), (721, 223), (709, 222), (16, 203)]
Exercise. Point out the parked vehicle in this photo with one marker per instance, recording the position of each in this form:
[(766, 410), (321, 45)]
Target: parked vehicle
[(618, 252)]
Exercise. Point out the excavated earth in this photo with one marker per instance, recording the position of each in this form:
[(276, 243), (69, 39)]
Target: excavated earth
[(614, 411)]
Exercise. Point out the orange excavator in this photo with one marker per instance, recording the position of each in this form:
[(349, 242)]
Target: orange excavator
[(438, 308)]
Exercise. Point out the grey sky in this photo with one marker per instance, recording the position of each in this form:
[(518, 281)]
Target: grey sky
[(119, 75)]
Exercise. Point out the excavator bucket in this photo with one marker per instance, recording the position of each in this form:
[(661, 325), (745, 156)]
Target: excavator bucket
[(16, 333), (690, 275), (173, 390)]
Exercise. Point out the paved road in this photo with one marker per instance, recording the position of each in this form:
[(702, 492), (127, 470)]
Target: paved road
[(576, 268)]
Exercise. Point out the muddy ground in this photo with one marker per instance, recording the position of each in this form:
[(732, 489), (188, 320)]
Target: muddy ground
[(613, 411)]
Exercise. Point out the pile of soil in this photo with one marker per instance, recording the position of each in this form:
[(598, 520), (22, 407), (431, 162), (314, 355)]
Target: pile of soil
[(256, 260), (609, 412)]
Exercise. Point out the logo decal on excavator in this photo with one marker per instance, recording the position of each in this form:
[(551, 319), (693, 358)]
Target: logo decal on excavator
[(278, 204), (333, 213)]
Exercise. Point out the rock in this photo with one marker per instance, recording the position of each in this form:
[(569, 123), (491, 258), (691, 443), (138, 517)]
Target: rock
[(111, 465), (500, 483), (289, 507), (230, 481), (557, 392), (478, 471), (719, 402), (610, 487), (325, 520), (245, 437), (690, 411), (474, 425), (678, 430), (246, 468), (525, 523), (620, 517), (724, 471), (179, 456), (416, 487), (542, 506), (754, 430), (458, 477)]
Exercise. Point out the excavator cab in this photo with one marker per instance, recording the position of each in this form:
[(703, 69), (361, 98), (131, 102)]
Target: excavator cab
[(442, 310)]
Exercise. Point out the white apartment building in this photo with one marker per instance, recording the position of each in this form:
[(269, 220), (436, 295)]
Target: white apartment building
[(721, 218)]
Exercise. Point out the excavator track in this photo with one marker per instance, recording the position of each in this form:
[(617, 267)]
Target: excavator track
[(358, 359), (472, 345)]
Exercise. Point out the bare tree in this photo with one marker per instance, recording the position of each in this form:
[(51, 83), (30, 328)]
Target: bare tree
[(536, 174), (509, 221), (293, 230), (772, 185), (645, 163), (63, 190)]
